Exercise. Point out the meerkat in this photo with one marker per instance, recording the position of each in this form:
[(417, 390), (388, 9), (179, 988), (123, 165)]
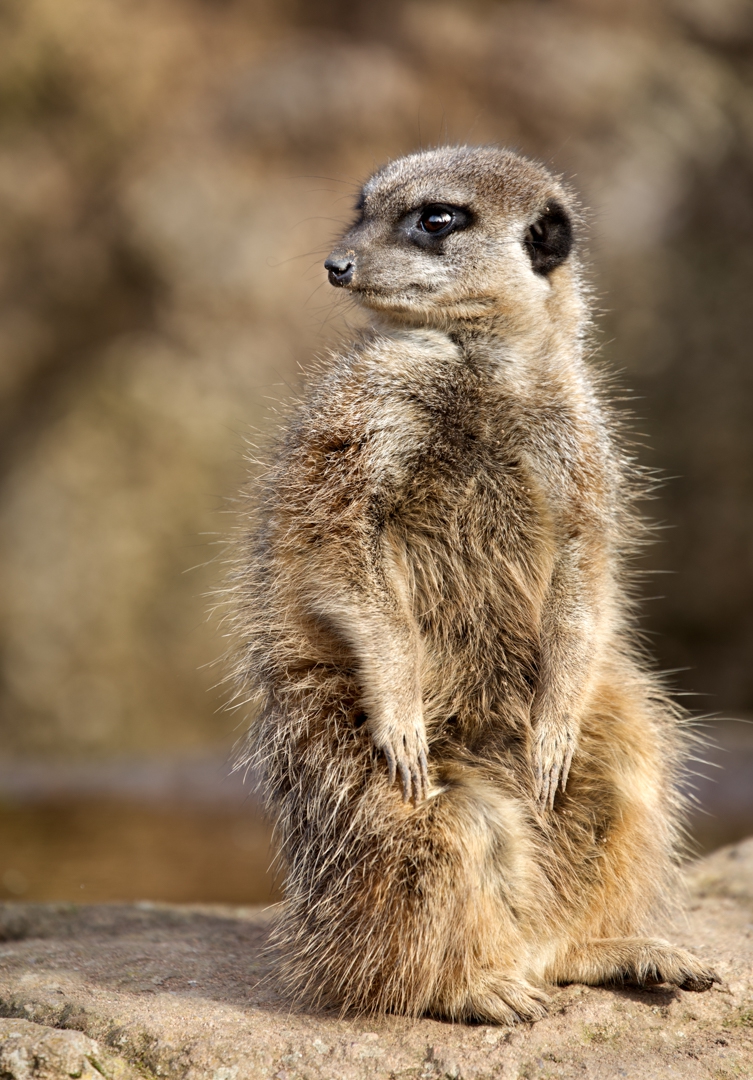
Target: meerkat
[(471, 766)]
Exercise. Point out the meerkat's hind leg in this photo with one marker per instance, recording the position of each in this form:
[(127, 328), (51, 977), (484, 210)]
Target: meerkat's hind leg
[(636, 962), (502, 1000)]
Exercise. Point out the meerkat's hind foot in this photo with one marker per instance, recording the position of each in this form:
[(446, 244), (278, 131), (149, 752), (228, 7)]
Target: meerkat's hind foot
[(504, 1001), (636, 962), (683, 970)]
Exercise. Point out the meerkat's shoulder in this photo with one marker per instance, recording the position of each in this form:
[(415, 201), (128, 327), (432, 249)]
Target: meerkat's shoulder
[(377, 366), (382, 354), (369, 387)]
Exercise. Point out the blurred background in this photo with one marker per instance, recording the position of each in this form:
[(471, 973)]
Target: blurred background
[(171, 175)]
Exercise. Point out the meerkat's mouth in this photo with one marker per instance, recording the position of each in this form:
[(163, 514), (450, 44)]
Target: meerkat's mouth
[(405, 290), (407, 298), (421, 299)]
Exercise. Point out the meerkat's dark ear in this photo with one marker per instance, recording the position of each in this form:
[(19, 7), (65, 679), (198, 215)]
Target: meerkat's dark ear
[(550, 239)]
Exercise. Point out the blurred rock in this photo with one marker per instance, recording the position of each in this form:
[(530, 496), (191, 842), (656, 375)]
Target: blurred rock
[(171, 174), (314, 98), (718, 22)]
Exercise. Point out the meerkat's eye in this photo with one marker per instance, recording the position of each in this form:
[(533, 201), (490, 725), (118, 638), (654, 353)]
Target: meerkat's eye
[(435, 219), (549, 239)]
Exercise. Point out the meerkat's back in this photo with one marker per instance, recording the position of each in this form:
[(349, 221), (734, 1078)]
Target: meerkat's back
[(472, 771)]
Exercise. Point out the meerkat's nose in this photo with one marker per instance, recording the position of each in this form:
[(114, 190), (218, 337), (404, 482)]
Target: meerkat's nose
[(340, 271)]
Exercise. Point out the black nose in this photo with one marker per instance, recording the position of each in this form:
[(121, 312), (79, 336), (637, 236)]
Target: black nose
[(340, 271)]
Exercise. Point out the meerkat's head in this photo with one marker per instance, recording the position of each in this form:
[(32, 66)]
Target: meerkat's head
[(460, 233)]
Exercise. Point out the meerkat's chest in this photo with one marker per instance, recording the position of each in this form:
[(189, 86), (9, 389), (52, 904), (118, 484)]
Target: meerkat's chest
[(483, 462)]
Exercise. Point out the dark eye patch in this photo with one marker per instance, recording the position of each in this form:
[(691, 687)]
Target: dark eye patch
[(359, 208), (549, 240), (431, 223)]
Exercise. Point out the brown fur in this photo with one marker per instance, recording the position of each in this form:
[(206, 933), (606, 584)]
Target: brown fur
[(433, 588)]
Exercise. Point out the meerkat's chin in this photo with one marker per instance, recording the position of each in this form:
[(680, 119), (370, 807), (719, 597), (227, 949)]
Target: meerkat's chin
[(425, 306), (399, 306), (388, 298)]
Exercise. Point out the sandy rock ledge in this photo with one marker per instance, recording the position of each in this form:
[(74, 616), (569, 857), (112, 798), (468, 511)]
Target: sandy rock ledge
[(156, 991)]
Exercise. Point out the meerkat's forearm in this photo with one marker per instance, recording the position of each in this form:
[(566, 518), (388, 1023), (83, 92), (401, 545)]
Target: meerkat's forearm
[(381, 632), (569, 650)]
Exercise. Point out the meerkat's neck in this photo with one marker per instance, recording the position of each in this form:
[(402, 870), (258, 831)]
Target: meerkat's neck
[(504, 348)]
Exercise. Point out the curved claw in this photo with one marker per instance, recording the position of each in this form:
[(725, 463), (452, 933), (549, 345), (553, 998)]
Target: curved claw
[(423, 763), (416, 781), (406, 780), (554, 777), (544, 789), (391, 763), (567, 763)]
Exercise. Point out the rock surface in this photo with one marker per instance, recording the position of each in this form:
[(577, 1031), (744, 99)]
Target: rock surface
[(148, 990)]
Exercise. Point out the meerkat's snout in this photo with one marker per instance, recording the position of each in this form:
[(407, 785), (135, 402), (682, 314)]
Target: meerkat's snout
[(340, 270)]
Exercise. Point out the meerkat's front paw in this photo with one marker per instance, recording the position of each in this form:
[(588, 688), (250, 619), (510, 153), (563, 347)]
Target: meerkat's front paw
[(404, 746), (554, 744)]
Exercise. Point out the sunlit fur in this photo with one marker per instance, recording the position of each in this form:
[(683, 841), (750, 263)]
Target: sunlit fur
[(435, 557)]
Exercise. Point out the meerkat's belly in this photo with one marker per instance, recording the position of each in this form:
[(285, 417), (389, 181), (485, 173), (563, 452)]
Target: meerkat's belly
[(479, 561)]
